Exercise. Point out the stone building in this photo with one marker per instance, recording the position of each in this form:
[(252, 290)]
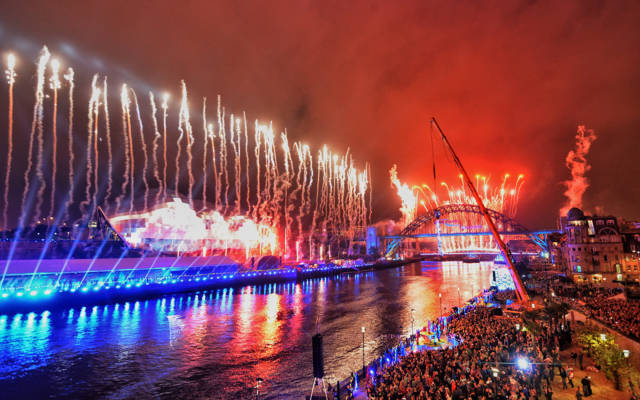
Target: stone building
[(593, 248)]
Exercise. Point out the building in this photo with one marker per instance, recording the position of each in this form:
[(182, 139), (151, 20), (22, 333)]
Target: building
[(593, 248), (631, 247)]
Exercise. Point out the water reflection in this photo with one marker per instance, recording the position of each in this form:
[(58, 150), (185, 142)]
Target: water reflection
[(207, 343)]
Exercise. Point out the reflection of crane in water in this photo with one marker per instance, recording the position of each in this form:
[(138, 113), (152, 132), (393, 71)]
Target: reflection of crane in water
[(523, 297)]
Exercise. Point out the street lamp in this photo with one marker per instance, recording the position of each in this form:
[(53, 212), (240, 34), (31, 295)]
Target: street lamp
[(363, 348), (440, 295), (459, 299)]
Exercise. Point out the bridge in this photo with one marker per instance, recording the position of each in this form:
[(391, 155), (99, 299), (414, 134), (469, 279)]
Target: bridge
[(506, 225)]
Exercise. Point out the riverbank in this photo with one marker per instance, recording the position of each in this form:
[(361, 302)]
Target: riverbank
[(102, 294)]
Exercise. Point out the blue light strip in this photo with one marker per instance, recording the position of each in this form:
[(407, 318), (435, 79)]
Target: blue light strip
[(48, 292)]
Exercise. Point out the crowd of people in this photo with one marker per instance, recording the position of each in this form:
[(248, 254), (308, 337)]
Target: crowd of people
[(494, 359), (605, 305), (620, 314), (505, 295)]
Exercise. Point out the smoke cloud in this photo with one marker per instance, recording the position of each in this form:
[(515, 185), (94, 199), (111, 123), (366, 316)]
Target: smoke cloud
[(576, 161)]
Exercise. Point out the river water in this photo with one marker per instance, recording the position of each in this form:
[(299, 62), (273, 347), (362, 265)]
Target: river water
[(215, 344)]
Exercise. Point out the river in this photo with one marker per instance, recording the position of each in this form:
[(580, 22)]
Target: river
[(215, 344)]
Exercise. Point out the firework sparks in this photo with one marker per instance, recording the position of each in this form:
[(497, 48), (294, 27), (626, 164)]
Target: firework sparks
[(11, 78), (264, 199), (502, 198)]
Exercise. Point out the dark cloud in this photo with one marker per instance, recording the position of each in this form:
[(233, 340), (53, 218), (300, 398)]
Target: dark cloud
[(508, 81)]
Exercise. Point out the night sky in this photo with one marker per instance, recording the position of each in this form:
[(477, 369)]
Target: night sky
[(508, 81)]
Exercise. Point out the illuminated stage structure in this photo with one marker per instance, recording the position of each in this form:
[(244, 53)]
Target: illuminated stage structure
[(154, 198)]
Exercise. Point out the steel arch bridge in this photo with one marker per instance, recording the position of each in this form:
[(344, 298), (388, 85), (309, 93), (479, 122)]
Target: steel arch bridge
[(505, 224)]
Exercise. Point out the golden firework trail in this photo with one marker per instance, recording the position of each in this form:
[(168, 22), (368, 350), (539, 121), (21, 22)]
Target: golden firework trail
[(71, 154), (42, 63), (185, 127), (165, 107), (154, 152), (11, 78), (54, 84), (40, 126), (205, 136), (107, 125), (145, 157)]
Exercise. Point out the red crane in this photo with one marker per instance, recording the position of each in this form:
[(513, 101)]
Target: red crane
[(523, 296)]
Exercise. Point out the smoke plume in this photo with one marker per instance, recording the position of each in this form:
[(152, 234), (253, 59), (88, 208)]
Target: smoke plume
[(576, 161)]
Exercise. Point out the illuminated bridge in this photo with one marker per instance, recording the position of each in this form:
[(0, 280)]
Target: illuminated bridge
[(460, 228)]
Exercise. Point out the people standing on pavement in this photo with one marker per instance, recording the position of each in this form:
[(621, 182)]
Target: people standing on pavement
[(580, 357), (570, 376), (586, 386)]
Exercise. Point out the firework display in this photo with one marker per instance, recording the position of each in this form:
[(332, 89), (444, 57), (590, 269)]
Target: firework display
[(421, 199), (234, 184)]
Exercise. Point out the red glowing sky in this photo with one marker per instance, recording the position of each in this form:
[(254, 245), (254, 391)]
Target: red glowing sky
[(508, 81)]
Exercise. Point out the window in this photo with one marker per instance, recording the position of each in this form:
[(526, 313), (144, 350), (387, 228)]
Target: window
[(605, 257), (579, 268)]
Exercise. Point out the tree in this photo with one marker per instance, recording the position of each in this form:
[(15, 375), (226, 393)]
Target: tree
[(606, 354)]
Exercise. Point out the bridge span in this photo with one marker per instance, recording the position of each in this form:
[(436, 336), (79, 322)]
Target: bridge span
[(423, 227), (455, 234)]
